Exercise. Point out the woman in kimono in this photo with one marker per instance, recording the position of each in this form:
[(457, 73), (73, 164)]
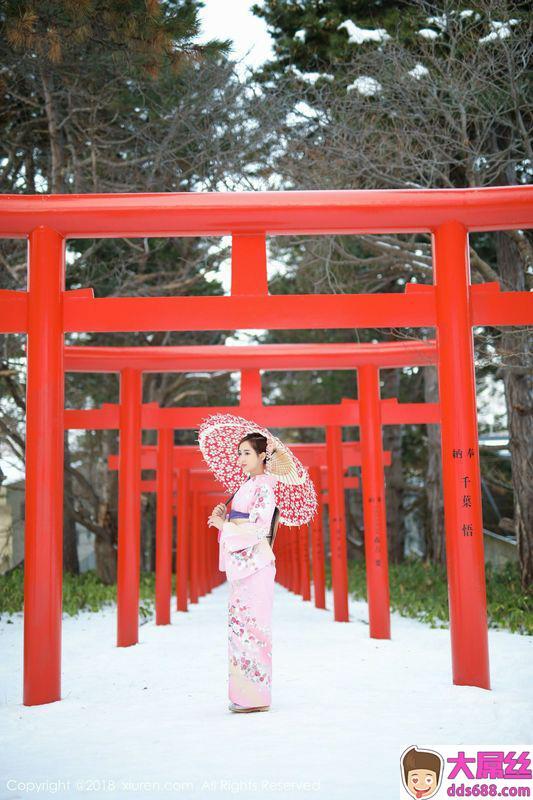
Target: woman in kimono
[(246, 556)]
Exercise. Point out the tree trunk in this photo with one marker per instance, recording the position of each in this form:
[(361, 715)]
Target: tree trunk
[(517, 370), (394, 485), (105, 549), (56, 177), (153, 528), (435, 536), (70, 538)]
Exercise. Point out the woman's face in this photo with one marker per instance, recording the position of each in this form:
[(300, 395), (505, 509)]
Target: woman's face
[(248, 460)]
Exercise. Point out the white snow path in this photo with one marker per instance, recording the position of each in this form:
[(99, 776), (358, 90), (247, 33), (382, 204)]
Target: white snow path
[(344, 706)]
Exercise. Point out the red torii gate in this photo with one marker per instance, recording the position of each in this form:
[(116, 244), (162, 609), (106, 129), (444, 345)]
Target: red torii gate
[(46, 311), (365, 358)]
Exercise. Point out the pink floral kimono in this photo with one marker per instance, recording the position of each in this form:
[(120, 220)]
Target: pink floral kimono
[(249, 562)]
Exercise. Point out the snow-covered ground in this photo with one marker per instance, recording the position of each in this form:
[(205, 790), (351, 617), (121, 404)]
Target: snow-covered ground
[(344, 707)]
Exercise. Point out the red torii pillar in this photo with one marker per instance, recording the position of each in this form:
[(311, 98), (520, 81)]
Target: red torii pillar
[(337, 523), (129, 508), (43, 562), (163, 547), (460, 457), (305, 572), (374, 514), (182, 545)]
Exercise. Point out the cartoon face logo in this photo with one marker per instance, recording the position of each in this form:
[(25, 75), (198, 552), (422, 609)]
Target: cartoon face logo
[(421, 772)]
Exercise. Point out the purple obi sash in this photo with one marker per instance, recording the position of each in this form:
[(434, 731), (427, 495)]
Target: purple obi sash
[(232, 514)]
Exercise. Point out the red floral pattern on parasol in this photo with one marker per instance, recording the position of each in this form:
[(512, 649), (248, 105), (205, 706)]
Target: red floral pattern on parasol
[(218, 438)]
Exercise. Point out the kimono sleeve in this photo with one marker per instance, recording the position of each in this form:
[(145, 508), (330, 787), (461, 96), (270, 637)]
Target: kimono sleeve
[(238, 537)]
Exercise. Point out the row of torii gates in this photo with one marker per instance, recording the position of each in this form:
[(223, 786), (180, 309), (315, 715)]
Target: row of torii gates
[(452, 305), (130, 417)]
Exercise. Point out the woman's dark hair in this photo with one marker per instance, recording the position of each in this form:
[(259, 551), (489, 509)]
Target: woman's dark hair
[(258, 442)]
